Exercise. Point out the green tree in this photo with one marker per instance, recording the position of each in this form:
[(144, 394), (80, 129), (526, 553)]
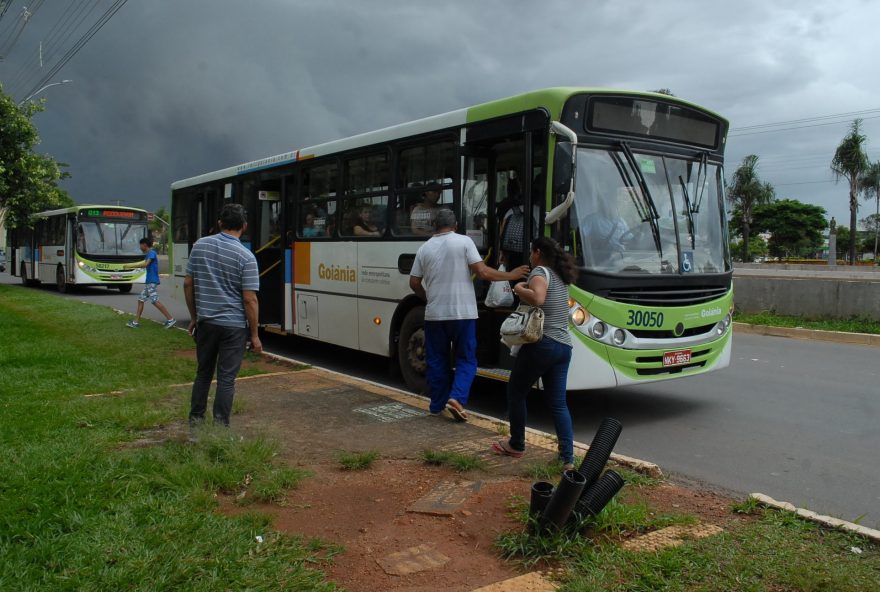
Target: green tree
[(795, 228), (757, 247), (28, 180), (851, 162), (745, 193), (159, 226), (871, 187)]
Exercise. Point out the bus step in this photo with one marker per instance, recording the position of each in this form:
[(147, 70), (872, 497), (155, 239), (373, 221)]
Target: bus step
[(276, 329), (502, 374)]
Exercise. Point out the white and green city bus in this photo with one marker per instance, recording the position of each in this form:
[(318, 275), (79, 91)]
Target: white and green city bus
[(83, 245), (653, 300)]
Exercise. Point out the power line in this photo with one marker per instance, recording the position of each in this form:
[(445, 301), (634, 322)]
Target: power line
[(62, 28), (79, 45), (804, 120), (769, 131), (26, 14)]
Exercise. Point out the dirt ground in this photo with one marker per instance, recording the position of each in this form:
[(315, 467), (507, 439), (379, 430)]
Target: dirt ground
[(367, 512)]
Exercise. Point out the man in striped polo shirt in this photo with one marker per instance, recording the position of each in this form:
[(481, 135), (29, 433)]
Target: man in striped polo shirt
[(221, 287)]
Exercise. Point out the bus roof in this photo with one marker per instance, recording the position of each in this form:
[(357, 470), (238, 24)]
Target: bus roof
[(552, 99)]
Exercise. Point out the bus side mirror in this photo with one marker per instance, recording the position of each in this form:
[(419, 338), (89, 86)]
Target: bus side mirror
[(565, 168)]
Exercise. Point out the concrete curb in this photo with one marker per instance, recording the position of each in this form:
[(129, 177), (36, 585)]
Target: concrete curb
[(798, 333), (828, 521), (533, 436)]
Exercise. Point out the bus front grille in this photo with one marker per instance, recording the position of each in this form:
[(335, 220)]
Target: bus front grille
[(649, 334), (663, 296)]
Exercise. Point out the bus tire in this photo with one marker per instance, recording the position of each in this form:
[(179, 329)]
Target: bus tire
[(124, 288), (411, 350), (60, 280)]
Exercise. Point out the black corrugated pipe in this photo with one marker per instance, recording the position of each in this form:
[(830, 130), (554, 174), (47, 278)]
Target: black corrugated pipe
[(598, 495), (541, 493), (600, 450), (562, 502)]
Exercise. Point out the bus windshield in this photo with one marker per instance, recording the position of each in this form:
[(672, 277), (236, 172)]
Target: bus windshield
[(677, 226), (110, 237)]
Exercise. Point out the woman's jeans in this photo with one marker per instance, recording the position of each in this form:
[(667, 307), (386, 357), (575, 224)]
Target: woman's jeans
[(548, 360)]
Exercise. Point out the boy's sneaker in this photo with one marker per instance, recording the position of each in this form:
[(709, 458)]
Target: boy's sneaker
[(133, 324), (169, 323)]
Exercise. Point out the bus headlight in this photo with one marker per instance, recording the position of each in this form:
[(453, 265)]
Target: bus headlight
[(619, 337), (726, 321), (598, 329), (579, 316)]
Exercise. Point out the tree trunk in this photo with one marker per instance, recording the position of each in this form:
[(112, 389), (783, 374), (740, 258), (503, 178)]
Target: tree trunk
[(853, 213), (746, 256), (876, 221)]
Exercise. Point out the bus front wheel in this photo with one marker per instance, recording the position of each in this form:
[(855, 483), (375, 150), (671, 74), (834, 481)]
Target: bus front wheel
[(411, 349), (124, 288)]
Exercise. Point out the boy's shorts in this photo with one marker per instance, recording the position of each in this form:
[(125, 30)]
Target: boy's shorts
[(149, 293)]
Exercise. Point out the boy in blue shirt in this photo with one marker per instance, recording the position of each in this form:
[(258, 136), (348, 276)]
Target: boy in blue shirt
[(151, 262)]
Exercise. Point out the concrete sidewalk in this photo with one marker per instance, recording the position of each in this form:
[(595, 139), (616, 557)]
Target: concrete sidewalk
[(332, 410)]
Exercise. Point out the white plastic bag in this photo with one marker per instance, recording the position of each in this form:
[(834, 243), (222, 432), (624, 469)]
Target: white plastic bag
[(500, 293)]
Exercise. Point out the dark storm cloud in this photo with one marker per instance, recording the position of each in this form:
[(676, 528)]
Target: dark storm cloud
[(167, 90)]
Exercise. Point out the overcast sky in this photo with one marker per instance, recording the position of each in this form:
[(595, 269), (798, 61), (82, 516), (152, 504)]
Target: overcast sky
[(169, 89)]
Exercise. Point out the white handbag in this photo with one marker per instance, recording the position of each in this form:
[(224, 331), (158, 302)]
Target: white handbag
[(525, 325)]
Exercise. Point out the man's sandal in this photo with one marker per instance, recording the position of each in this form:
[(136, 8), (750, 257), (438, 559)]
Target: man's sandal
[(456, 410)]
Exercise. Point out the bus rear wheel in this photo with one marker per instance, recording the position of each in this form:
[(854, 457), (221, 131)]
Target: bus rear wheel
[(60, 280), (411, 349)]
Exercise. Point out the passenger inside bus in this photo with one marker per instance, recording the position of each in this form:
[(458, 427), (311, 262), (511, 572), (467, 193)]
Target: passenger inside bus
[(309, 229), (363, 224), (422, 216)]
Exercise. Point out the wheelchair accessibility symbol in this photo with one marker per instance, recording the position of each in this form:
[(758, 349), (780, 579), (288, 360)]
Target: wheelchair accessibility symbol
[(687, 261)]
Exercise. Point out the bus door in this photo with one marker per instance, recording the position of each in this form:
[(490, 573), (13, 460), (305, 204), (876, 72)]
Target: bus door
[(503, 168), (69, 261), (264, 222)]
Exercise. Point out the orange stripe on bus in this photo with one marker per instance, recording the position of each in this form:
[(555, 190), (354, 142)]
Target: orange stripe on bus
[(302, 263)]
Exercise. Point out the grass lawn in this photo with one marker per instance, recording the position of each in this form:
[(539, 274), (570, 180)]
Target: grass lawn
[(775, 320), (82, 510), (774, 552)]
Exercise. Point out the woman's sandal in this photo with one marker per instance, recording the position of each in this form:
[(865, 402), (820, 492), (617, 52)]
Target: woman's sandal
[(503, 448), (456, 410)]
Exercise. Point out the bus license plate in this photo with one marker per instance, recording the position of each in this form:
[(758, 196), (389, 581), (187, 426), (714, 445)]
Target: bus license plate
[(677, 358)]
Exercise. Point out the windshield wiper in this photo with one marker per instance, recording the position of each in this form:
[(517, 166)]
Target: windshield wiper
[(649, 201), (703, 168), (689, 211), (641, 208)]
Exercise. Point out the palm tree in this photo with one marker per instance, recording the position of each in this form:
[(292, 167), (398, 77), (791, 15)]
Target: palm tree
[(871, 186), (851, 162), (745, 192)]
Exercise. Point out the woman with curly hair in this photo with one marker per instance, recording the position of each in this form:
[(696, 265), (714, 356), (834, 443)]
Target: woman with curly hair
[(548, 359)]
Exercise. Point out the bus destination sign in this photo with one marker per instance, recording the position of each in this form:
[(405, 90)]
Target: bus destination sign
[(103, 213)]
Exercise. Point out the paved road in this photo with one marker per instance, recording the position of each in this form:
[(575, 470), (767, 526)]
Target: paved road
[(796, 420)]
